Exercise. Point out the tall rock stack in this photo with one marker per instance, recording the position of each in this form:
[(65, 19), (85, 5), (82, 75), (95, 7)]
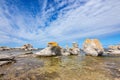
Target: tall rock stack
[(93, 47), (75, 49), (75, 45)]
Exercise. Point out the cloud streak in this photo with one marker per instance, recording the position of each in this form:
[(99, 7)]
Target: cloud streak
[(59, 20)]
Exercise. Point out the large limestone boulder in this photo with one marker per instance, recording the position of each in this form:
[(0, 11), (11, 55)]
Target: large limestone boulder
[(52, 49), (93, 47)]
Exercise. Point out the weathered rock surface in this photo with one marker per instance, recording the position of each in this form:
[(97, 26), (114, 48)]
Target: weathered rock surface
[(114, 47), (5, 59), (93, 47), (4, 48), (52, 49), (75, 49), (65, 52), (27, 47), (114, 50), (4, 62), (27, 54)]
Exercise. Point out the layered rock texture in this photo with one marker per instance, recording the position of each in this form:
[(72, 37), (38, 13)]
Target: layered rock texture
[(93, 47), (114, 50), (53, 49), (75, 49), (114, 47), (5, 59)]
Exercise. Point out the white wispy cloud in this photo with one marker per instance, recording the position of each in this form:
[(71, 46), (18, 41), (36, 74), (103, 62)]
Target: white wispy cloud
[(80, 20)]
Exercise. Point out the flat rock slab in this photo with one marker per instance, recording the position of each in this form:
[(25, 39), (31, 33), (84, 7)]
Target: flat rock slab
[(4, 62), (114, 51), (28, 53), (6, 57)]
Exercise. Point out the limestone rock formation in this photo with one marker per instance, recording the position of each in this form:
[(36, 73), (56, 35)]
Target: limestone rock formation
[(5, 59), (4, 62), (4, 48), (114, 50), (52, 49), (93, 47), (114, 47), (75, 49), (65, 52), (27, 47)]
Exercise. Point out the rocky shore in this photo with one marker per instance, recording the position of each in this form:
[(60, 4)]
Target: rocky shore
[(26, 65), (91, 47)]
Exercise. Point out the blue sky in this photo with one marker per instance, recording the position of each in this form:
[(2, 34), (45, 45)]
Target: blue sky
[(64, 21)]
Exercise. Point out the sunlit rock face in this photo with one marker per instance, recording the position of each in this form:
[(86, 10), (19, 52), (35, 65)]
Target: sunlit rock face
[(93, 47), (27, 47), (52, 49)]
